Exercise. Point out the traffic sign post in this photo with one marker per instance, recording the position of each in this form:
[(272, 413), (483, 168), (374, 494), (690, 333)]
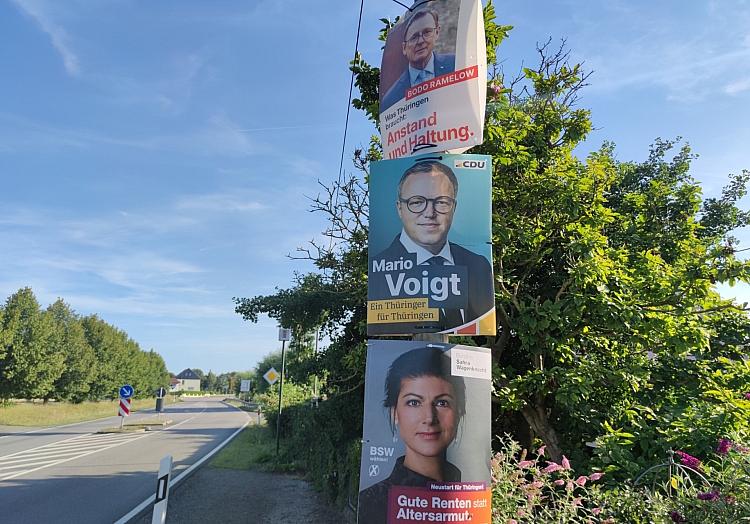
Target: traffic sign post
[(126, 392), (245, 388), (271, 376), (284, 335), (162, 491)]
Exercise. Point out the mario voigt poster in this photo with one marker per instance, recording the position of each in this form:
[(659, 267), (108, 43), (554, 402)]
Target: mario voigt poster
[(430, 256), (433, 79), (426, 434)]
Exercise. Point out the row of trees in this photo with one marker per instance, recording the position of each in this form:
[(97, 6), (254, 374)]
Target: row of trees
[(613, 343), (57, 354), (223, 383)]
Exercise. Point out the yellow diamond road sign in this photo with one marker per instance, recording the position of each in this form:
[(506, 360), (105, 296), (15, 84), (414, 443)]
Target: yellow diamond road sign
[(271, 376)]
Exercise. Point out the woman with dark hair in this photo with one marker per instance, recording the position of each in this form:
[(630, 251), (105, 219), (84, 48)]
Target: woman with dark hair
[(425, 405)]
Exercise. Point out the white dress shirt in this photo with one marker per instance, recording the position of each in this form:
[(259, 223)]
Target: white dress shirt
[(423, 255), (429, 71)]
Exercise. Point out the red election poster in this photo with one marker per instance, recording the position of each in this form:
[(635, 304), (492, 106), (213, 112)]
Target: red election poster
[(426, 446), (433, 79)]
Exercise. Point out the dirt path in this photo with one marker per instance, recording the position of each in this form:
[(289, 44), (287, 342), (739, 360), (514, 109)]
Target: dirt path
[(214, 495)]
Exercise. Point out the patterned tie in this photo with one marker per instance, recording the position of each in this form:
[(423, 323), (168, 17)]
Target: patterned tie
[(422, 76)]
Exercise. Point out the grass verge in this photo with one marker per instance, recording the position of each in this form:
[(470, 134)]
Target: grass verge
[(253, 448), (59, 413)]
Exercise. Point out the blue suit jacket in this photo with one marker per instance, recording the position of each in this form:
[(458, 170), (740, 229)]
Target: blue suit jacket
[(481, 289), (443, 64)]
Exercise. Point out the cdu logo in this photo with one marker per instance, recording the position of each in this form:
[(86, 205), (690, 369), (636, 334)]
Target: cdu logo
[(469, 164)]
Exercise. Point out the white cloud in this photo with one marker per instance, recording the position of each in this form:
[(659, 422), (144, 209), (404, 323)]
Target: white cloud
[(691, 55), (737, 86), (40, 12), (147, 305), (219, 202), (219, 136)]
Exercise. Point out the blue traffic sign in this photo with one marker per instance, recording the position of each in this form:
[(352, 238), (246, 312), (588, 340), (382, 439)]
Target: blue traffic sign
[(126, 391)]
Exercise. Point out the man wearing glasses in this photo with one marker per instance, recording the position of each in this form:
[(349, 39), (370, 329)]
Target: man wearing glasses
[(426, 205), (420, 35)]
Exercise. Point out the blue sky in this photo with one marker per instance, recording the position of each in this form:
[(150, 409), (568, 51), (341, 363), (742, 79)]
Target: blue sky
[(156, 157)]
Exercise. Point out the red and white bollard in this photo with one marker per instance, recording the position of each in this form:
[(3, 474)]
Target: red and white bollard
[(124, 410)]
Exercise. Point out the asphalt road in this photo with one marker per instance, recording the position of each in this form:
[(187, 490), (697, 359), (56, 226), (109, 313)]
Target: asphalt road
[(74, 474)]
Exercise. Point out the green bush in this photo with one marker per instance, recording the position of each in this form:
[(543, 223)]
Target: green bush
[(322, 442)]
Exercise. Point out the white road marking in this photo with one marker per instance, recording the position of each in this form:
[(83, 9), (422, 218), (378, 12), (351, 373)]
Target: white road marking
[(48, 455), (150, 500), (107, 444), (55, 427)]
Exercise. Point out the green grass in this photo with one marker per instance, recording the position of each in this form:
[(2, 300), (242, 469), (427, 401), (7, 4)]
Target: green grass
[(253, 448), (59, 413), (236, 403)]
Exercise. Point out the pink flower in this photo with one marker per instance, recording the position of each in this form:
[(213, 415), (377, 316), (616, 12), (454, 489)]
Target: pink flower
[(511, 521), (595, 476), (581, 481), (596, 511), (552, 467), (565, 462), (724, 446), (537, 484), (688, 460), (747, 396), (569, 486), (577, 501), (526, 464), (540, 451), (559, 482)]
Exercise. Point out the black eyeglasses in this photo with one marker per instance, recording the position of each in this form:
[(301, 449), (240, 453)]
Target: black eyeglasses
[(417, 204), (425, 34)]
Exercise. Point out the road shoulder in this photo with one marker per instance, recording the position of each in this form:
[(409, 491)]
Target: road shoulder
[(230, 495)]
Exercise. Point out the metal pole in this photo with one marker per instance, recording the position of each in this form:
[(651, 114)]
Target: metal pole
[(315, 387), (281, 390)]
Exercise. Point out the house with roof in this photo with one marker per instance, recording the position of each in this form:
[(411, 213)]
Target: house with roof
[(189, 381)]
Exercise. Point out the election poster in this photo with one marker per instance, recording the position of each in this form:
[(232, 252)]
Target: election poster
[(430, 252), (426, 434), (433, 79)]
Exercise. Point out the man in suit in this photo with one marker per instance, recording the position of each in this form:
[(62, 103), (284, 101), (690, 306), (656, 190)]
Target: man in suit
[(426, 205), (421, 33)]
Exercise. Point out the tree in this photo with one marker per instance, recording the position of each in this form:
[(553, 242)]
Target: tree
[(209, 383), (29, 363), (69, 340), (597, 262), (117, 358), (605, 273)]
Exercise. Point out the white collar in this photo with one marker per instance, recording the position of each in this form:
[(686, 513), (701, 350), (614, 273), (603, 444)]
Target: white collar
[(422, 254), (430, 68)]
